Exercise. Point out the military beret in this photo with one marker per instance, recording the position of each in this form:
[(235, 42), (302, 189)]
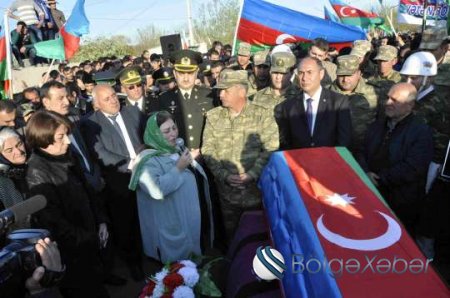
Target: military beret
[(244, 49), (347, 65), (229, 78), (433, 37), (186, 60), (261, 58), (130, 75), (282, 62), (386, 53)]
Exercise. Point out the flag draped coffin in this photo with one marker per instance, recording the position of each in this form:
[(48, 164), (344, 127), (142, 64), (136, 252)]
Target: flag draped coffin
[(326, 219)]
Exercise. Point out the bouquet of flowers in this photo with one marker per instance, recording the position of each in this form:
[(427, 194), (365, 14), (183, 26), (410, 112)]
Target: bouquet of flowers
[(180, 279)]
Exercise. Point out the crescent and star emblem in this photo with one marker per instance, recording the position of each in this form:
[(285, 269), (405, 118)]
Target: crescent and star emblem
[(349, 13), (282, 37), (390, 237)]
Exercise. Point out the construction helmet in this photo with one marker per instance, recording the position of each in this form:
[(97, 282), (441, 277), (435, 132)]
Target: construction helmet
[(420, 64)]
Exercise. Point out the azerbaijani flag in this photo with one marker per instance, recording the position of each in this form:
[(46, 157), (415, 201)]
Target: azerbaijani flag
[(4, 74), (338, 236), (264, 24), (354, 16), (67, 44)]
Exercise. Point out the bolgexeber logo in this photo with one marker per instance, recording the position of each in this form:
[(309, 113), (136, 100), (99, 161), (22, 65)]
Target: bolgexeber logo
[(268, 263)]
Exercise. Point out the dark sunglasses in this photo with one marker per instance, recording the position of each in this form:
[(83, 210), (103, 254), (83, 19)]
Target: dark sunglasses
[(131, 87)]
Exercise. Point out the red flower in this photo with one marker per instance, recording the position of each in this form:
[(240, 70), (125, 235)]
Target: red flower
[(175, 267), (148, 289), (173, 280)]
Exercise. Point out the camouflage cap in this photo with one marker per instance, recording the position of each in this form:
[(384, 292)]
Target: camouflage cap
[(386, 53), (229, 78), (282, 62), (433, 37), (261, 57), (347, 65), (363, 44), (244, 49), (130, 75)]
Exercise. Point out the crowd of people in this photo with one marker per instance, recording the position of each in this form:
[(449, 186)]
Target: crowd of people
[(160, 156)]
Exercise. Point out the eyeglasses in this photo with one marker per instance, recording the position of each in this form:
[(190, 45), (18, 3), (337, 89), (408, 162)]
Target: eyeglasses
[(131, 87)]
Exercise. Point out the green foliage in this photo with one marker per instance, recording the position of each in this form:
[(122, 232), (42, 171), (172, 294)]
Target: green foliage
[(217, 21), (148, 38), (92, 49)]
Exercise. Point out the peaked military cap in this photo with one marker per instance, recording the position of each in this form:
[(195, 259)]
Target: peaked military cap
[(244, 49), (130, 75), (163, 75), (106, 77), (347, 65), (282, 62), (229, 78), (386, 53), (261, 58), (186, 60)]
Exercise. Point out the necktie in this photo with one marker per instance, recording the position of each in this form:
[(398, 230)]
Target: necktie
[(136, 104), (186, 96), (117, 127), (309, 114)]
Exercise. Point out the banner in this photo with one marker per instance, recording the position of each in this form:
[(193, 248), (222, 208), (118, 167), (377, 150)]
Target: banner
[(411, 12)]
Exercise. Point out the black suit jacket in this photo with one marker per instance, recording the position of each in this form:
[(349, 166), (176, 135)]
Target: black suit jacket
[(105, 143), (332, 126)]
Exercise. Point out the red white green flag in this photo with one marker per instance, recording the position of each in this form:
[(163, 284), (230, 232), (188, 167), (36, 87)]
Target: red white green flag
[(5, 81), (351, 15)]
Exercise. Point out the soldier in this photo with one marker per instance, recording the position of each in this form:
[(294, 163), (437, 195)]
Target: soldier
[(188, 103), (319, 49), (281, 71), (243, 58), (133, 87), (386, 76), (238, 139), (362, 49), (260, 78), (164, 80), (362, 97)]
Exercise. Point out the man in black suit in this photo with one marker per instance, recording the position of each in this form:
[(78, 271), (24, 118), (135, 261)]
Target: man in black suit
[(132, 86), (55, 98), (188, 103), (316, 117), (113, 135)]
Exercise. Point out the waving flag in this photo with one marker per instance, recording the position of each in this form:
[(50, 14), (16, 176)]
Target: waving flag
[(4, 74), (338, 235), (411, 11), (353, 16), (266, 24), (67, 44)]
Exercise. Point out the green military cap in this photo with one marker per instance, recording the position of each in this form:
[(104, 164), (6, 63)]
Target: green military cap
[(261, 58), (186, 60), (433, 37), (229, 78), (282, 62), (130, 75), (106, 77), (244, 49), (386, 53), (163, 75), (347, 65)]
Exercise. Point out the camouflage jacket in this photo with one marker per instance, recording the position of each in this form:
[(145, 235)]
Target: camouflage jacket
[(253, 87), (435, 111), (241, 144), (363, 108), (267, 98), (394, 77), (443, 75), (330, 73)]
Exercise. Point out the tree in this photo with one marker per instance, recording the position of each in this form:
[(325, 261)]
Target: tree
[(92, 49), (217, 21), (148, 38)]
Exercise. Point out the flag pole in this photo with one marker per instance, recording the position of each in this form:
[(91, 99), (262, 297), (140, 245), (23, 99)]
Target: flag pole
[(424, 20), (47, 74), (8, 54), (237, 27)]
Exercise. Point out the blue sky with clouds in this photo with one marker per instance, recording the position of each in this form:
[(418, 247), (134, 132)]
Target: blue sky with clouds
[(110, 17)]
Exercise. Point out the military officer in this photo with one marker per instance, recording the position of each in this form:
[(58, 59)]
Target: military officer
[(281, 71), (238, 139), (386, 76), (187, 102), (133, 88), (260, 78), (243, 58), (362, 97)]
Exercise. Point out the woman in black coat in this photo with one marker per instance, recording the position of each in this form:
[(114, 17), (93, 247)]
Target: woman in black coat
[(71, 215)]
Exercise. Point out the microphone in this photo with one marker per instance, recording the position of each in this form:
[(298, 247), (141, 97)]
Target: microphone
[(180, 145), (20, 211)]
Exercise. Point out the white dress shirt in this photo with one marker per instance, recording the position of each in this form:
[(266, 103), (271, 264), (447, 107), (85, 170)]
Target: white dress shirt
[(314, 103), (183, 92), (140, 102)]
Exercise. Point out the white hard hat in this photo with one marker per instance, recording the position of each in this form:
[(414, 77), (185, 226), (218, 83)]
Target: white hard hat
[(420, 64)]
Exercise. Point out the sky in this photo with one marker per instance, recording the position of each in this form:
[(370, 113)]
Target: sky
[(112, 17)]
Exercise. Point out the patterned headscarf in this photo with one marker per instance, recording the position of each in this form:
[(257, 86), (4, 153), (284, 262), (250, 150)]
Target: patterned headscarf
[(153, 138)]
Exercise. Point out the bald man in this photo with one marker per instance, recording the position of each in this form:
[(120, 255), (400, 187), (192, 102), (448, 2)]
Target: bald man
[(114, 137), (396, 155)]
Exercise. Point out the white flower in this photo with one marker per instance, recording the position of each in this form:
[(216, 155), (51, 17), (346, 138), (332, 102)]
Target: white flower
[(183, 292), (188, 263), (158, 291), (190, 276), (161, 274)]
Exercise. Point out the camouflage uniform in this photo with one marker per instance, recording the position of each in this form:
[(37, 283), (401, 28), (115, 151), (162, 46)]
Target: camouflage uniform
[(363, 100), (360, 49), (259, 58), (237, 145), (330, 73)]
